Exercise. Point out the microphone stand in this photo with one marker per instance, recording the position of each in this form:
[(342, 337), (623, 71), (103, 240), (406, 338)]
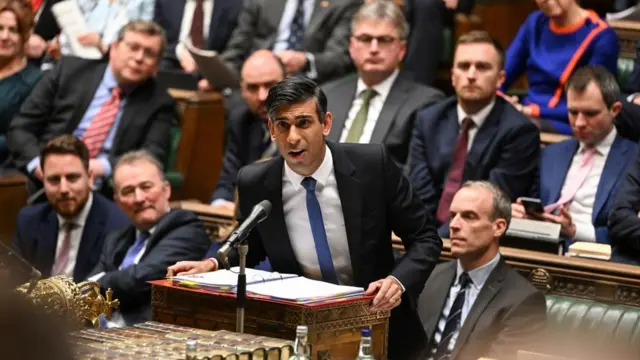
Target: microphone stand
[(241, 289)]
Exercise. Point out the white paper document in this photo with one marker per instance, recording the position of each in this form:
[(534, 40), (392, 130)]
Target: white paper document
[(227, 280), (303, 290), (71, 22)]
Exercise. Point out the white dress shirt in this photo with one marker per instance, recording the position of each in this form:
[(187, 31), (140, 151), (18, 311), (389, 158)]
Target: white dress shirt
[(477, 118), (294, 203), (375, 107), (478, 277), (284, 28), (75, 238), (581, 207), (187, 18)]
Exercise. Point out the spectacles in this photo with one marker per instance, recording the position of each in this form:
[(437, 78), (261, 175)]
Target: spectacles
[(147, 53), (384, 40)]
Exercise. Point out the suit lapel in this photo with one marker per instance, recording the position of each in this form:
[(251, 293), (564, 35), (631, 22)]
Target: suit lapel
[(340, 106), (612, 171), (92, 232), (274, 228), (485, 135), (487, 293), (561, 164), (320, 10), (349, 189), (273, 12), (47, 242), (93, 81), (123, 245), (438, 290), (396, 98), (219, 10), (176, 9)]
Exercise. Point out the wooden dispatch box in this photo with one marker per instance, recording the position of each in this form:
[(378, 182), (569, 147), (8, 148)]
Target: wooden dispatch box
[(334, 327)]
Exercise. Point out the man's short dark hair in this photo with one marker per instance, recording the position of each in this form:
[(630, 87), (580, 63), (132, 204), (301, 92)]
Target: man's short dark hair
[(603, 79), (294, 90), (501, 207), (482, 37), (146, 27), (65, 145)]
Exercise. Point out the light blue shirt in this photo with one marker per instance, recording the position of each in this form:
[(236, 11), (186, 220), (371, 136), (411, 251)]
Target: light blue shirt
[(102, 95), (284, 30), (478, 277)]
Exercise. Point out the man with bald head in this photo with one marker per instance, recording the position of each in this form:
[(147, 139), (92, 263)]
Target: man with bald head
[(248, 137)]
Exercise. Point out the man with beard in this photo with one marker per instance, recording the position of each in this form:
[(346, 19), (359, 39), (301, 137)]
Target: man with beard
[(475, 135), (248, 137), (64, 236)]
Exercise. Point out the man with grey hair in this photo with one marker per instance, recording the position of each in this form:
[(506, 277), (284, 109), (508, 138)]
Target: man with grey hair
[(477, 306), (378, 103), (580, 177), (156, 239)]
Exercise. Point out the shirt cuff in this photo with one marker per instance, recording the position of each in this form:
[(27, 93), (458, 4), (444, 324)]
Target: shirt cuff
[(96, 277), (218, 202), (106, 165), (312, 73), (632, 96), (585, 232), (398, 281), (33, 164)]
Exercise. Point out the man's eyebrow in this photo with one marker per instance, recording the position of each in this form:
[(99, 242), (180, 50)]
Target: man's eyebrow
[(303, 116)]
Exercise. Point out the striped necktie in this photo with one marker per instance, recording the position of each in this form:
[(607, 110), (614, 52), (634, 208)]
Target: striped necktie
[(101, 124), (452, 326)]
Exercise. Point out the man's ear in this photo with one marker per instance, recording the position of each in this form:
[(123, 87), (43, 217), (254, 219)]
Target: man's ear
[(499, 227), (328, 122)]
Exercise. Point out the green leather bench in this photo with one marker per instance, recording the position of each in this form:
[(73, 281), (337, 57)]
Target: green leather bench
[(173, 176), (615, 323)]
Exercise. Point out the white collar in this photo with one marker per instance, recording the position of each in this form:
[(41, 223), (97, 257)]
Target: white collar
[(604, 145), (321, 175), (477, 118), (382, 88), (81, 218)]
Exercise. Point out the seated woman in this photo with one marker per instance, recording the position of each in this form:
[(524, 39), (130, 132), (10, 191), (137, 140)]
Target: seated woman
[(17, 78), (549, 46)]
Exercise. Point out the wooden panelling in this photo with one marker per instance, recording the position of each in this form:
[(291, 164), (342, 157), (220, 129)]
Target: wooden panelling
[(13, 196)]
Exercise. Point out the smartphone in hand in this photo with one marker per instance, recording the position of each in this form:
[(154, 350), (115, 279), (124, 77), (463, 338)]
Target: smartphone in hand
[(532, 206)]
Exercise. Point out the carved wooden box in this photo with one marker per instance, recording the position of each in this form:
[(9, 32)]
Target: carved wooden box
[(334, 328)]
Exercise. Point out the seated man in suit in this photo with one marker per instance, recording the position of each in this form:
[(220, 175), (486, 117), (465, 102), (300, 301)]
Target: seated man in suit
[(311, 37), (378, 103), (156, 239), (474, 135), (478, 306), (64, 236), (113, 107), (341, 200), (206, 23), (248, 137), (580, 177)]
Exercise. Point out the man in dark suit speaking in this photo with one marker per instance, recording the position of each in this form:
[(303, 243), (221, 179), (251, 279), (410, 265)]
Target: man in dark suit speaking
[(113, 107), (378, 104), (65, 235), (478, 306), (334, 208)]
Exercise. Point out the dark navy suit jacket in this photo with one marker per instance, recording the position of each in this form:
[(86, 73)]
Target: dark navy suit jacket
[(36, 237), (554, 166), (505, 151), (169, 13), (245, 145)]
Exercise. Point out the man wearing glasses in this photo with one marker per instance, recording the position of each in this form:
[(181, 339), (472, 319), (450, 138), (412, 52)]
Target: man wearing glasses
[(378, 103), (114, 106)]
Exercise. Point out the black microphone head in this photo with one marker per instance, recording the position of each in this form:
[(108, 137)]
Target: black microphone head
[(264, 205)]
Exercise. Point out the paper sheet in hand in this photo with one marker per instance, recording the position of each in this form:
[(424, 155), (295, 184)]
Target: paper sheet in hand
[(303, 290), (219, 75), (225, 280), (71, 21)]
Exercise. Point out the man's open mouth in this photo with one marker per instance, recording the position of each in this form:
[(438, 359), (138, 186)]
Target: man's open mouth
[(296, 153)]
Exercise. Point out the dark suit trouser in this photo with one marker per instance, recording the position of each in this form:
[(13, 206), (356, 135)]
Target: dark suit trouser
[(406, 334)]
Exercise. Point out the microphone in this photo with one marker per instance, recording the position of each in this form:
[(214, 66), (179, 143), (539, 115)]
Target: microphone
[(258, 214)]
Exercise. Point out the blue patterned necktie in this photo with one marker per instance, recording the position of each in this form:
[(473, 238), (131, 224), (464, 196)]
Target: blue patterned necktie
[(319, 235), (296, 31), (134, 250), (452, 326)]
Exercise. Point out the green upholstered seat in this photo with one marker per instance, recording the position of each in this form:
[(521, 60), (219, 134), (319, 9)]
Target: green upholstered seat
[(587, 318), (173, 176), (625, 68)]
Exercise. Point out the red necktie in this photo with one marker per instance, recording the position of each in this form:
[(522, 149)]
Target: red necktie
[(101, 124), (456, 171), (35, 4), (63, 256), (197, 25)]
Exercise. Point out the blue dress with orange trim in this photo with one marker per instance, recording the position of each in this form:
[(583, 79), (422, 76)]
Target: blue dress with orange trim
[(549, 54)]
